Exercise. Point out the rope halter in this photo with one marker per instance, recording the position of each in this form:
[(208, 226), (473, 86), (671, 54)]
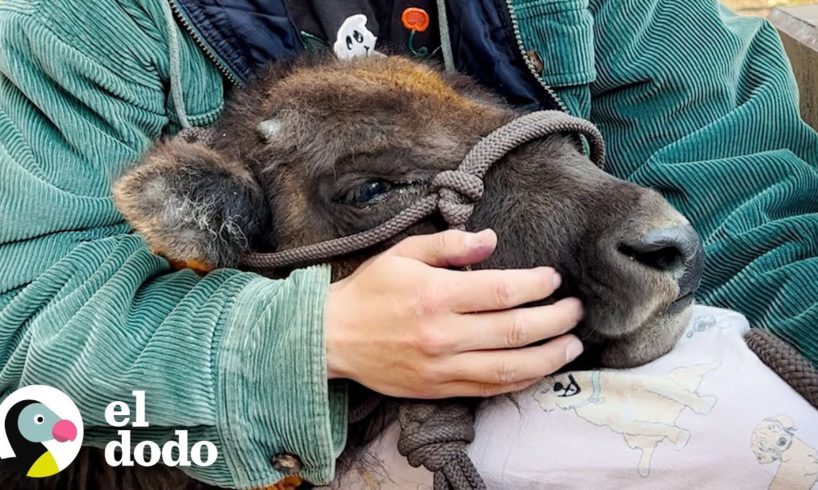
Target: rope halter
[(453, 192)]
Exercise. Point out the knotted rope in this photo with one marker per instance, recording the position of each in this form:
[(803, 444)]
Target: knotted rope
[(786, 362), (453, 192), (434, 435)]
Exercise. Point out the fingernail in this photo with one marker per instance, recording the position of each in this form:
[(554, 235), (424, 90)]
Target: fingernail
[(476, 240), (556, 279), (578, 309), (573, 350)]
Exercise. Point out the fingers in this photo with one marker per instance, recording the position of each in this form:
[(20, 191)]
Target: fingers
[(449, 248), (506, 367), (493, 290), (516, 328), (446, 333), (469, 389), (475, 291)]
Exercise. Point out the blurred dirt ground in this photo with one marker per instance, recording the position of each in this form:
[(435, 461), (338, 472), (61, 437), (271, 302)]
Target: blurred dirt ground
[(762, 7)]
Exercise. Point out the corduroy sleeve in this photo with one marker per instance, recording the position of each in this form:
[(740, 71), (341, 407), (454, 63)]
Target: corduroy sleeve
[(702, 106), (235, 358)]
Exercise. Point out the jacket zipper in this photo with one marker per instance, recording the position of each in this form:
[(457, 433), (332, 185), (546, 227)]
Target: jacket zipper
[(224, 69), (516, 30)]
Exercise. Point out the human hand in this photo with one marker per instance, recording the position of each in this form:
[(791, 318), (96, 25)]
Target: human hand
[(406, 326)]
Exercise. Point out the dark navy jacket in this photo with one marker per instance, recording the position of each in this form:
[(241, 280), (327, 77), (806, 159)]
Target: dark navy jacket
[(248, 34)]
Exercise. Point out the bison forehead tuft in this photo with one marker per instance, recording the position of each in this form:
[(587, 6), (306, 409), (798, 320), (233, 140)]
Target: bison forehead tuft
[(393, 75)]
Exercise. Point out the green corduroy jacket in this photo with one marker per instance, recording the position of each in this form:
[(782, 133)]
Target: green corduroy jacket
[(692, 100)]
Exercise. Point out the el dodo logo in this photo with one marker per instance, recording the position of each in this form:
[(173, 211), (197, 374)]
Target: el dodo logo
[(42, 433), (41, 430)]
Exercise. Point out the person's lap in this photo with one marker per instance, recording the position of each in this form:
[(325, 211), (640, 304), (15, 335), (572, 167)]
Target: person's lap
[(709, 414)]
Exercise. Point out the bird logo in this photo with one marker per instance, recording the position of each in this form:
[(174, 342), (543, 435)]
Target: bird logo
[(42, 430)]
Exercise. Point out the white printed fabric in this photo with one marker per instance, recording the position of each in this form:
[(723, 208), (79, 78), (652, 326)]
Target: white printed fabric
[(708, 415)]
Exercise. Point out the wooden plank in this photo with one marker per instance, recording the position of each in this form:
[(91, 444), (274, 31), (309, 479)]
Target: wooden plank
[(762, 8), (798, 27)]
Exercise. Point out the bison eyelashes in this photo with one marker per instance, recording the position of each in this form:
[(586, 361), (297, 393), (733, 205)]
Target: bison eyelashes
[(369, 192)]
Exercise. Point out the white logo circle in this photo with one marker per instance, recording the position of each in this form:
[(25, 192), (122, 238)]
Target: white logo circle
[(48, 430)]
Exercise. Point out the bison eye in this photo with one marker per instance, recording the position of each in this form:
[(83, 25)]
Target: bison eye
[(368, 192)]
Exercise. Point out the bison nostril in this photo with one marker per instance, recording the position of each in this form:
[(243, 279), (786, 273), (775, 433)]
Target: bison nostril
[(677, 251), (663, 258)]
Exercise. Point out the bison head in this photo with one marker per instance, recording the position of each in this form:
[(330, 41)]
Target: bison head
[(322, 149)]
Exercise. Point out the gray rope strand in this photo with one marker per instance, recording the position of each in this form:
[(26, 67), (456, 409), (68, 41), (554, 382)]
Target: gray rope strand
[(787, 362), (454, 192), (343, 245)]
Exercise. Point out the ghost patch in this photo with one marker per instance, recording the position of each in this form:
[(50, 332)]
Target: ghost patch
[(354, 39)]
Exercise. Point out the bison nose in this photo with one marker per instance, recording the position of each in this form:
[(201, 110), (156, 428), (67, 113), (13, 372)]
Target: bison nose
[(675, 251)]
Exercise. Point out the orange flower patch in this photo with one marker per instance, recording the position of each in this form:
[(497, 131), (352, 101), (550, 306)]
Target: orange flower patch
[(415, 19)]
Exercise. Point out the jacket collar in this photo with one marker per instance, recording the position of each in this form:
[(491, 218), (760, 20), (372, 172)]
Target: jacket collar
[(243, 36)]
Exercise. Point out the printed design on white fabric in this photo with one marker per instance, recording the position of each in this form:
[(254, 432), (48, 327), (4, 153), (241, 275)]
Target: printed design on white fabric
[(707, 323), (774, 440), (354, 39), (643, 409)]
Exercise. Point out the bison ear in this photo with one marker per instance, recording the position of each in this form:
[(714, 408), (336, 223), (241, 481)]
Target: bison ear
[(194, 206)]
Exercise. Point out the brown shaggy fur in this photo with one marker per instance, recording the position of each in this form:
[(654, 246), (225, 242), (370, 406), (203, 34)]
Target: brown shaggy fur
[(338, 128)]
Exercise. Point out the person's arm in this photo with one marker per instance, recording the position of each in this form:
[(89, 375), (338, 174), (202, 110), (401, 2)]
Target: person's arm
[(702, 106), (237, 359)]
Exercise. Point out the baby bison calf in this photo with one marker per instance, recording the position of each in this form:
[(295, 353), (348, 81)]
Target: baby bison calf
[(321, 149)]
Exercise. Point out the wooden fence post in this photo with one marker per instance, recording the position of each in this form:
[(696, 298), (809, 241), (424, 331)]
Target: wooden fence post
[(798, 27)]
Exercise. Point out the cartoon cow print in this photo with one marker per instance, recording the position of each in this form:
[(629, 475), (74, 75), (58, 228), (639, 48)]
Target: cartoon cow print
[(643, 409), (774, 440)]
